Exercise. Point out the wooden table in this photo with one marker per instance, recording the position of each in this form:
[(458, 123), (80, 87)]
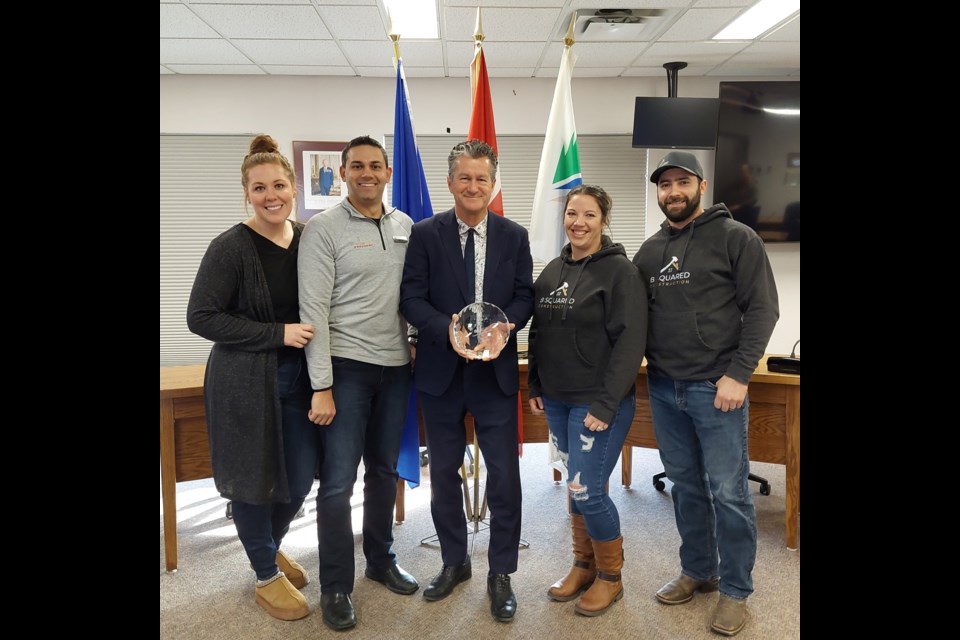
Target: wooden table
[(774, 437), (184, 450)]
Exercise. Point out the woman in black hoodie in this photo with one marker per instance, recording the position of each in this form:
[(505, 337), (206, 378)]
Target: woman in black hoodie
[(586, 344)]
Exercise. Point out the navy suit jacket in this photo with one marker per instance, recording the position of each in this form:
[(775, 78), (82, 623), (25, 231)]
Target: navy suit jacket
[(434, 287)]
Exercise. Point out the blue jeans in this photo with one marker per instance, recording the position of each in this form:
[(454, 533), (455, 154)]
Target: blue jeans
[(590, 457), (371, 402), (704, 452), (261, 527)]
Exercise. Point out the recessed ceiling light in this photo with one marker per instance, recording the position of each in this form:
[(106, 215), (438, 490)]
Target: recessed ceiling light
[(414, 19), (758, 19)]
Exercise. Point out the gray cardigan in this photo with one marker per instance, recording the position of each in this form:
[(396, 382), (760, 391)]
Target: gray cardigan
[(230, 305)]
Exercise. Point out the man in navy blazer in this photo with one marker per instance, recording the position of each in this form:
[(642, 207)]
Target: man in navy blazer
[(434, 288)]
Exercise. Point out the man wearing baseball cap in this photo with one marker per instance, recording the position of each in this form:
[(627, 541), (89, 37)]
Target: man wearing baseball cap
[(712, 304)]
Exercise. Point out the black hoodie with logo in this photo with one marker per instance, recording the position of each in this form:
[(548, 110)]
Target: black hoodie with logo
[(589, 330), (712, 298)]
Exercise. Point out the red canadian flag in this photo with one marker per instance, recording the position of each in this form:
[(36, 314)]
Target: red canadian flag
[(483, 128)]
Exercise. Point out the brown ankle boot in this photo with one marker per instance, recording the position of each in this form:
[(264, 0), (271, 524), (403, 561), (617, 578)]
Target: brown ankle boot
[(607, 588), (584, 569)]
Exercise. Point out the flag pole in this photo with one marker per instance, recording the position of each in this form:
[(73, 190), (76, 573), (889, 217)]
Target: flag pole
[(478, 30), (395, 37), (477, 46), (568, 39)]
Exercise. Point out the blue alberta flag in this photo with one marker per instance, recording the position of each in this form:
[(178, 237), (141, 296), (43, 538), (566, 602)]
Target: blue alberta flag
[(410, 196)]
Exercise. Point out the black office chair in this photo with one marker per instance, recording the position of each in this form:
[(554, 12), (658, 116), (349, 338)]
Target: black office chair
[(764, 485)]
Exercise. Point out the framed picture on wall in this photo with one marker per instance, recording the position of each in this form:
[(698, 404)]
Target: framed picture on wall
[(319, 186)]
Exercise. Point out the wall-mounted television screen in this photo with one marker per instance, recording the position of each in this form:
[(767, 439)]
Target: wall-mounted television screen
[(757, 172), (675, 123)]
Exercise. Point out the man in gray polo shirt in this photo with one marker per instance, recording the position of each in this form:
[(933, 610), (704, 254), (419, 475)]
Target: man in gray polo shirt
[(349, 267)]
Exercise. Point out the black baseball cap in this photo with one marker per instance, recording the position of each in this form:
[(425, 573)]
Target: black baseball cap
[(678, 160)]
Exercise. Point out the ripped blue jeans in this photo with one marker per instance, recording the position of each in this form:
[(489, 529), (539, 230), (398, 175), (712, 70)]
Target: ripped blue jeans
[(590, 457)]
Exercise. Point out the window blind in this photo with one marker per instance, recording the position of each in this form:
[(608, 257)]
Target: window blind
[(200, 198)]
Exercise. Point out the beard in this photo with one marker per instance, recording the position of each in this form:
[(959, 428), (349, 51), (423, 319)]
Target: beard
[(683, 214)]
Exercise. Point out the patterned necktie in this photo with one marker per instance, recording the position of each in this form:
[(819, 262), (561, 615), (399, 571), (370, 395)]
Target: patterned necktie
[(470, 264)]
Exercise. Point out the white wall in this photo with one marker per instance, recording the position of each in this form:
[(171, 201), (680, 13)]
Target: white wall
[(334, 108)]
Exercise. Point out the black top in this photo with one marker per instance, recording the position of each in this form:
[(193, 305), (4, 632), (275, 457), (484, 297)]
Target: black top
[(280, 271)]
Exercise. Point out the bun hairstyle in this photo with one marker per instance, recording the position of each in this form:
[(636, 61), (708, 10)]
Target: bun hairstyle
[(265, 150), (597, 193)]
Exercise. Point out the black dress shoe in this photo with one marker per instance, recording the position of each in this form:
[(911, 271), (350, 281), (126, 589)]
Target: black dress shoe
[(395, 579), (449, 577), (338, 613), (503, 604)]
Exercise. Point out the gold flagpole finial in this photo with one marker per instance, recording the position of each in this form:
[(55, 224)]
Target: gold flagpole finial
[(393, 36), (568, 39), (478, 32)]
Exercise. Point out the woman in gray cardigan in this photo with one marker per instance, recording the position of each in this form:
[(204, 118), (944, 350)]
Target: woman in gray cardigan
[(263, 446)]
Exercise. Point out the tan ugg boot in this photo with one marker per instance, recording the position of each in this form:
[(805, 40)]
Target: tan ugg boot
[(295, 573), (281, 599), (607, 588), (584, 569)]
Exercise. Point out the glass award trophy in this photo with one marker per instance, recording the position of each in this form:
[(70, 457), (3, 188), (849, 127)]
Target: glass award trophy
[(481, 329)]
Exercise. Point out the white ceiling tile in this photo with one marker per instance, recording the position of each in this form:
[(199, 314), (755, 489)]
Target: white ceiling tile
[(774, 54), (790, 32), (421, 72), (701, 53), (261, 1), (699, 24), (216, 69), (595, 72), (177, 21), (461, 54), (703, 4), (524, 37), (293, 52), (499, 3), (355, 23), (501, 24), (515, 72), (501, 55), (191, 51), (733, 70), (659, 72), (374, 53), (381, 72), (695, 48), (631, 4), (263, 21), (598, 54), (307, 70)]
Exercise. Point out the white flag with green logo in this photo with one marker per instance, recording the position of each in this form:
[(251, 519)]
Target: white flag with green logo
[(559, 169)]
